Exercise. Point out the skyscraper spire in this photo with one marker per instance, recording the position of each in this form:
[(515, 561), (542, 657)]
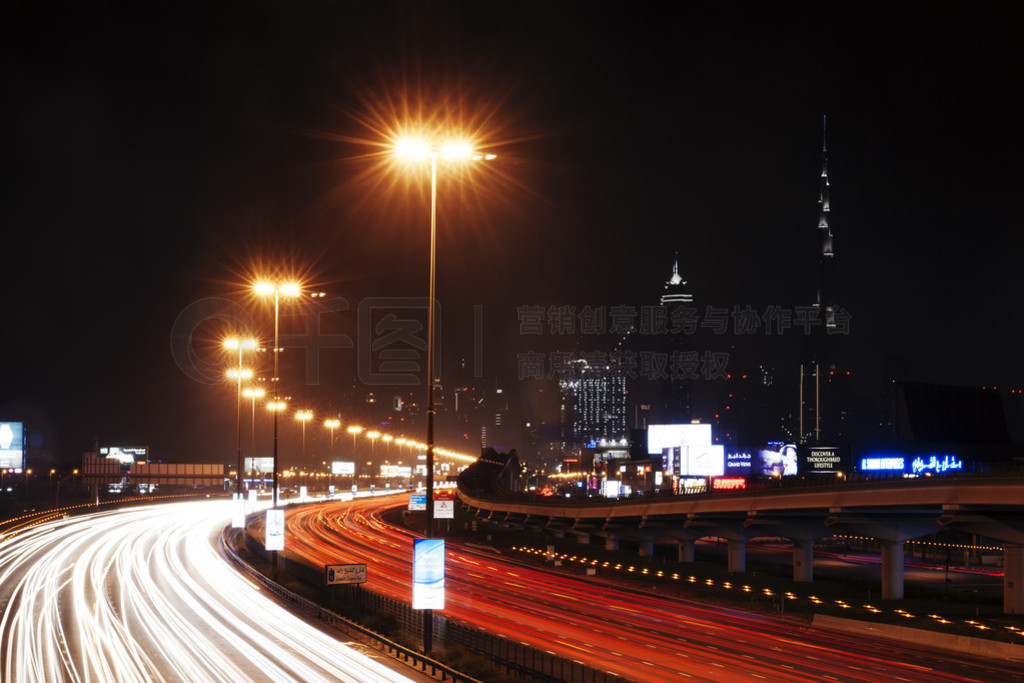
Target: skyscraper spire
[(825, 302), (674, 287), (823, 199)]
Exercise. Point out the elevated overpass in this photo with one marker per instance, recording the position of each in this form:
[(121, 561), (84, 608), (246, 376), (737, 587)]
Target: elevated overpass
[(890, 511)]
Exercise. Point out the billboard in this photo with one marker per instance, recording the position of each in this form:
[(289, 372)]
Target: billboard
[(686, 449), (12, 445), (343, 468), (263, 465), (428, 574), (911, 464), (777, 459), (821, 459), (739, 463), (126, 455), (660, 437)]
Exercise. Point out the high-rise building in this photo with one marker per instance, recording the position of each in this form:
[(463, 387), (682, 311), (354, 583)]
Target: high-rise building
[(823, 394), (593, 404)]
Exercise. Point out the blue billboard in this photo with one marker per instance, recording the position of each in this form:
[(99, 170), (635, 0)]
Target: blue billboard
[(428, 574), (912, 464), (12, 445)]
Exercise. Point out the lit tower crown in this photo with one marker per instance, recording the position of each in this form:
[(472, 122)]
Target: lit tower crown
[(674, 293)]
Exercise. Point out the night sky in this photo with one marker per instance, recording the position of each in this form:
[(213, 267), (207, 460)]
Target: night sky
[(160, 156)]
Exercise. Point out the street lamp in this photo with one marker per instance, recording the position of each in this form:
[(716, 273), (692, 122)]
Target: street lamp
[(241, 345), (304, 416), (275, 407), (354, 430), (373, 436), (254, 393), (332, 424), (413, 149), (290, 289)]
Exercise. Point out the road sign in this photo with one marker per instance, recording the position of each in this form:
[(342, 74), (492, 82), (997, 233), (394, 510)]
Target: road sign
[(274, 530), (335, 574), (444, 505)]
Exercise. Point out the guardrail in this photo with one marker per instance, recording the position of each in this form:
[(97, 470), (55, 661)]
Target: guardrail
[(411, 657), (518, 659)]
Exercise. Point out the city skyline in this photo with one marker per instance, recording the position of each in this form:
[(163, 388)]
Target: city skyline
[(164, 154)]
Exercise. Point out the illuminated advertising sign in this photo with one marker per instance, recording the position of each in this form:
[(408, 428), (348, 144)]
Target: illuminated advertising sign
[(728, 483), (912, 465), (936, 464), (777, 459), (660, 437), (342, 468), (821, 459), (125, 455), (705, 461), (262, 465), (12, 445), (738, 463), (686, 449), (692, 485), (428, 574), (274, 528), (611, 488), (417, 501)]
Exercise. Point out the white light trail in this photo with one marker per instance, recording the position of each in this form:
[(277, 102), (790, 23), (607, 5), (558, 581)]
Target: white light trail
[(142, 594)]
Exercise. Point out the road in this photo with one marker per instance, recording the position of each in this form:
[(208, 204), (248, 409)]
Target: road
[(143, 594), (640, 636)]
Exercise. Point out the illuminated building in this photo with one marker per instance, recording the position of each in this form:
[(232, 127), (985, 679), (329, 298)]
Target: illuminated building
[(593, 404), (674, 288)]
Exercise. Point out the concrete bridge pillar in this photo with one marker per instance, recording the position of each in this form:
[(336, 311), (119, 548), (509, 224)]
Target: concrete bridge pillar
[(737, 556), (686, 550), (646, 548), (803, 560), (1013, 577), (892, 570), (611, 543)]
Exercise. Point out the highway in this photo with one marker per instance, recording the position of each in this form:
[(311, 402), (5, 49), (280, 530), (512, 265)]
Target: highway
[(640, 636), (143, 594)]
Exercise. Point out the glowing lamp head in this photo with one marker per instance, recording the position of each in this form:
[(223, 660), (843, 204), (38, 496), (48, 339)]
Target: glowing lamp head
[(412, 149), (263, 288), (456, 150)]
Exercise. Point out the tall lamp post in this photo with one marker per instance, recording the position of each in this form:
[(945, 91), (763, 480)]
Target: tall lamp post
[(238, 375), (411, 149), (254, 393), (419, 149), (304, 416), (332, 424), (291, 289)]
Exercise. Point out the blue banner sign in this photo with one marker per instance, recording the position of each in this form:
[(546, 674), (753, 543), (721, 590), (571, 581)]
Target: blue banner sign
[(428, 574)]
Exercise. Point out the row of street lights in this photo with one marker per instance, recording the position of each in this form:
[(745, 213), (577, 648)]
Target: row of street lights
[(410, 150)]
